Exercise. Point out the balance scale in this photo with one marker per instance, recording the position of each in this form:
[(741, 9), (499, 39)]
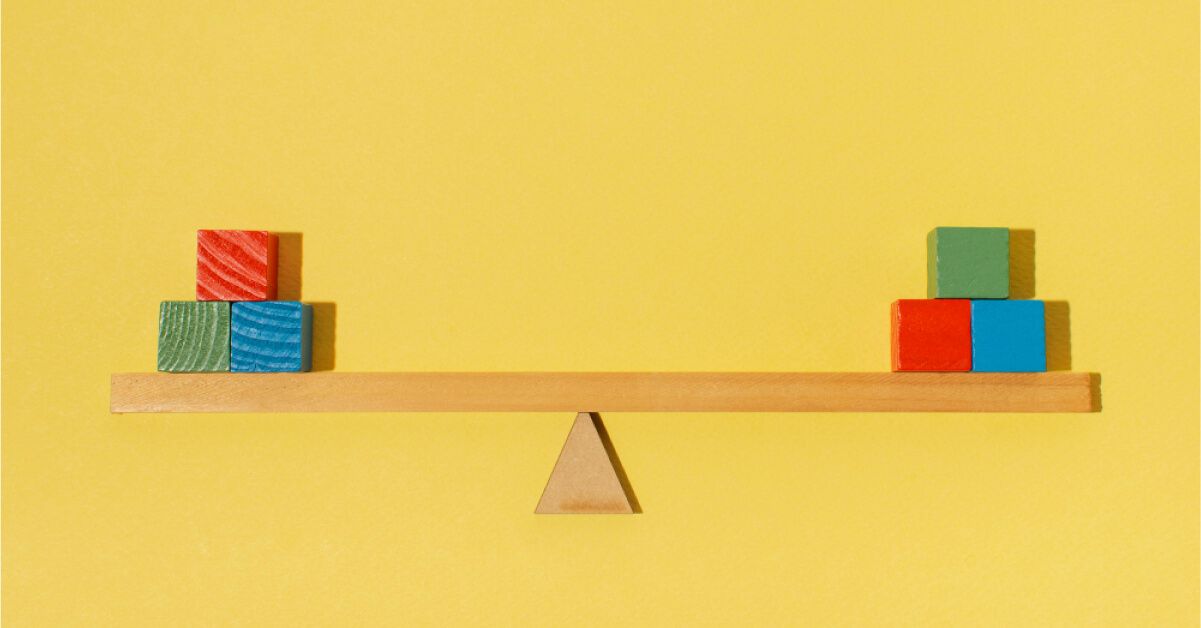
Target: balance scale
[(587, 477)]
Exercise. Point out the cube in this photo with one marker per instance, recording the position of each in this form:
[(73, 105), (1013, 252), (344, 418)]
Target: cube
[(932, 335), (271, 337), (1009, 336), (967, 263), (193, 336), (235, 265)]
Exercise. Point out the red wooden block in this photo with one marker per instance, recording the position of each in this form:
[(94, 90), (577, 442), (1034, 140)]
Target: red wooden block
[(932, 335), (235, 265)]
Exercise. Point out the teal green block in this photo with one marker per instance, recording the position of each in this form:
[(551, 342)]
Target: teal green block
[(967, 263), (193, 336)]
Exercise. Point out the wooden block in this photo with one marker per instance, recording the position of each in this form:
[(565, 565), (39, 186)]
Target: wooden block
[(271, 337), (584, 480), (235, 265), (967, 263), (193, 336), (932, 335), (617, 392), (1009, 336)]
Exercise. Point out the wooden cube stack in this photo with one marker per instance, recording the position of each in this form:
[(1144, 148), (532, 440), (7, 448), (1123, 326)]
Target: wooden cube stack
[(967, 322), (235, 324)]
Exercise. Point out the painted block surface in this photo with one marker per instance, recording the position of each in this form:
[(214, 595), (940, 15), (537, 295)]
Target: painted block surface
[(193, 336), (932, 335), (271, 336), (1009, 336), (235, 265), (967, 263)]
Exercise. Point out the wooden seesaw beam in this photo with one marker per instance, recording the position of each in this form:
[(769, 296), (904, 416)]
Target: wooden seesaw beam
[(587, 478), (603, 392)]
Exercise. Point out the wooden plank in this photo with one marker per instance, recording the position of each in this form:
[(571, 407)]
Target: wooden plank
[(601, 392), (584, 480)]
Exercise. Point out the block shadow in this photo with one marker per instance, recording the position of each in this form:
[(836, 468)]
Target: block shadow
[(1021, 264), (289, 285), (1022, 286), (612, 453), (1059, 335), (289, 264), (325, 335)]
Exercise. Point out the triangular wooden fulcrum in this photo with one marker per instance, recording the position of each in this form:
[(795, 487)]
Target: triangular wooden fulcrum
[(584, 480)]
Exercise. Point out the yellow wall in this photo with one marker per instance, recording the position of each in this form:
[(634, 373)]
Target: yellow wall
[(590, 186)]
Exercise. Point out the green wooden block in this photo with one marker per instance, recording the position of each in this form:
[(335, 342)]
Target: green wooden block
[(967, 263), (193, 336)]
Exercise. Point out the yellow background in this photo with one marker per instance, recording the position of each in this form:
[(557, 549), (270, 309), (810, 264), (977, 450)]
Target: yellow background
[(598, 186)]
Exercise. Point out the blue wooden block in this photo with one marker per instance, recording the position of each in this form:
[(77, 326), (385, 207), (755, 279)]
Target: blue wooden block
[(271, 336), (1009, 336)]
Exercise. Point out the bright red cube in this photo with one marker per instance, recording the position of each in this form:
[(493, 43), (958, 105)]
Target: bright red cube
[(235, 265), (932, 335)]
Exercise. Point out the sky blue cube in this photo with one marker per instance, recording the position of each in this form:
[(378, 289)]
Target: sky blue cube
[(270, 337), (1009, 336)]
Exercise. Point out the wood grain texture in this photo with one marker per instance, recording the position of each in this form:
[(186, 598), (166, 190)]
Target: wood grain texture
[(235, 265), (193, 336), (584, 480), (616, 392), (271, 337)]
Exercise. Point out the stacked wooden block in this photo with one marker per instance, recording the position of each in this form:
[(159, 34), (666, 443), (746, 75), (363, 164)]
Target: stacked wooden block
[(968, 323), (235, 324)]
